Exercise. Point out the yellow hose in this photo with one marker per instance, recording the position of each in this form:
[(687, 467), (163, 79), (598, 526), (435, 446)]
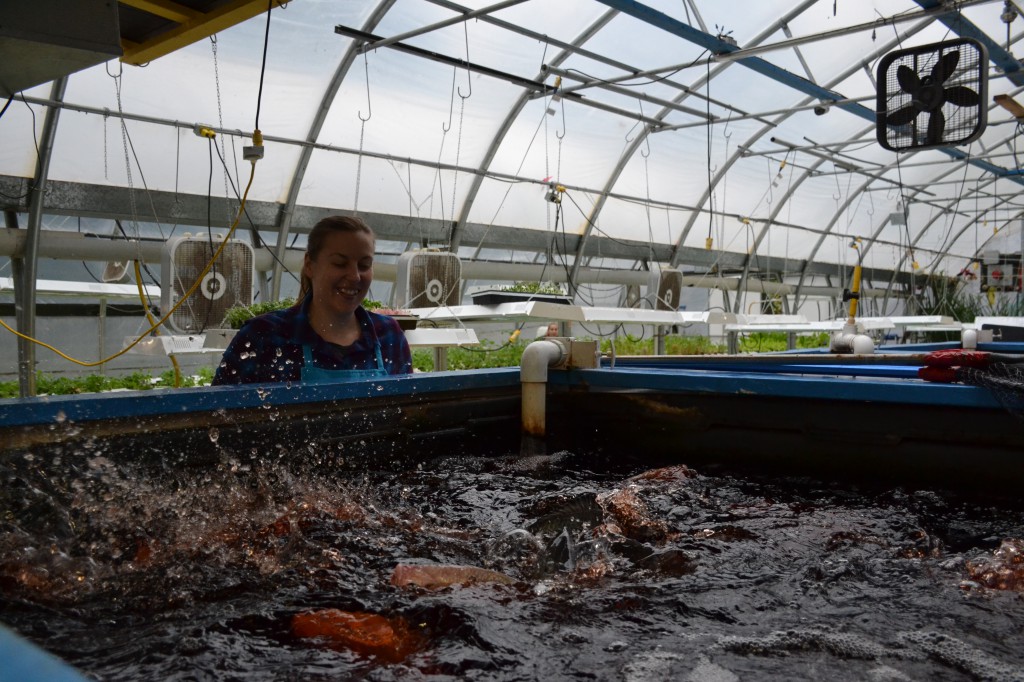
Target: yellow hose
[(854, 294)]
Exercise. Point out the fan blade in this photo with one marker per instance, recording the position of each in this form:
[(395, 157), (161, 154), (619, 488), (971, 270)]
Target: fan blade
[(908, 79), (902, 116), (962, 97), (945, 67), (936, 127)]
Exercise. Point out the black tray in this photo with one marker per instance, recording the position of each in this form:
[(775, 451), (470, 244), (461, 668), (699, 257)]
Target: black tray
[(494, 297)]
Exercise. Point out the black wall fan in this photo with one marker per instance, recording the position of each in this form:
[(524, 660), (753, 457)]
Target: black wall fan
[(932, 96)]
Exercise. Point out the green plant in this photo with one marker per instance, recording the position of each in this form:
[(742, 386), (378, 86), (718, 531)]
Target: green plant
[(674, 345), (487, 356), (238, 315), (769, 342), (96, 383), (534, 288)]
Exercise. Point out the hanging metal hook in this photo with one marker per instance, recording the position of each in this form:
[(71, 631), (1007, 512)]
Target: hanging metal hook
[(469, 81), (369, 106), (451, 104), (630, 132), (120, 69), (561, 135)]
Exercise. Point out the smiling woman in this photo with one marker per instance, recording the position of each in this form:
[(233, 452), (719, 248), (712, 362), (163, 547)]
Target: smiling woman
[(327, 335)]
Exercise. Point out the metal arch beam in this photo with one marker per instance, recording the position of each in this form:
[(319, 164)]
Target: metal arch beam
[(367, 47), (27, 295), (704, 198), (642, 136), (878, 230), (973, 221), (288, 209), (780, 75), (881, 226), (960, 25), (506, 125), (718, 46), (787, 195)]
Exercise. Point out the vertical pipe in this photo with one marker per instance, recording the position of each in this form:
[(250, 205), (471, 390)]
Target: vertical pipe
[(27, 280), (533, 374), (102, 340)]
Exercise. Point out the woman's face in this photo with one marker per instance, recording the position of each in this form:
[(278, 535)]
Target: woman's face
[(342, 272)]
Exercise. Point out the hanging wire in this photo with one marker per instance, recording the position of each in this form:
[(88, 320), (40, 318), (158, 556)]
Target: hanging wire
[(263, 64), (458, 138), (220, 123), (362, 132)]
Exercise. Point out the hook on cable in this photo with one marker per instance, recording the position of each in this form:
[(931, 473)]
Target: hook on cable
[(451, 104), (120, 70), (369, 105), (469, 81)]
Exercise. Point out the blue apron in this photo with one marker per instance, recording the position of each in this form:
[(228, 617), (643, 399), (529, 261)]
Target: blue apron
[(317, 375)]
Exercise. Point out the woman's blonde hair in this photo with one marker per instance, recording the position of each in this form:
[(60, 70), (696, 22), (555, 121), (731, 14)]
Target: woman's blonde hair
[(334, 223)]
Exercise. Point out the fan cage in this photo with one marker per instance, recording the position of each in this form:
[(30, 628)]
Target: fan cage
[(429, 279), (963, 124), (666, 285), (228, 283)]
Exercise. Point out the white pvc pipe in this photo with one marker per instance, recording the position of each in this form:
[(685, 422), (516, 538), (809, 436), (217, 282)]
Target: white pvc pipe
[(533, 373), (75, 246)]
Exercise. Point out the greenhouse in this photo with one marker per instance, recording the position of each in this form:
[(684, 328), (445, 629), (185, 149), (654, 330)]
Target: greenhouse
[(583, 247)]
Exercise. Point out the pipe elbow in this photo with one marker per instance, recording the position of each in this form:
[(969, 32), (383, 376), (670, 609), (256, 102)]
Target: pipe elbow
[(537, 357)]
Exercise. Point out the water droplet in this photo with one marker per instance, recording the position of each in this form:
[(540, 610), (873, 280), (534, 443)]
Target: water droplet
[(278, 352), (214, 434), (61, 417)]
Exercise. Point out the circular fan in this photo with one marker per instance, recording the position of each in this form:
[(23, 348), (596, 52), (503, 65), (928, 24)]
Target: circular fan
[(932, 95)]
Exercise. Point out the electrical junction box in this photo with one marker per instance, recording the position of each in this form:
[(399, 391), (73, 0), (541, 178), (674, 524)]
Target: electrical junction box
[(1002, 275), (579, 354)]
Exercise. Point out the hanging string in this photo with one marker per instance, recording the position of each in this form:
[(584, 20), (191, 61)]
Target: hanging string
[(458, 142), (134, 224), (362, 132), (711, 205), (647, 187), (220, 122), (263, 63), (106, 118)]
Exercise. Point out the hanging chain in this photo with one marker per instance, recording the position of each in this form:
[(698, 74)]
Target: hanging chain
[(127, 159), (220, 122), (359, 165), (362, 131), (106, 117)]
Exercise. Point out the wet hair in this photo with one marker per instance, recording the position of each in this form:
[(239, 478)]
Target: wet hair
[(317, 236)]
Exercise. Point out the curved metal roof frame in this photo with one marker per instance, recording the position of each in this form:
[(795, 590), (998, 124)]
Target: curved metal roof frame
[(942, 12)]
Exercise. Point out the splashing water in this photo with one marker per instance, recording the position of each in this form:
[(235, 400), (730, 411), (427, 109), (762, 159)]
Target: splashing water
[(274, 566)]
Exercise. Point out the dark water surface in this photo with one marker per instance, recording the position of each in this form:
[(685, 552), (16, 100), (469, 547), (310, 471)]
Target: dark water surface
[(133, 572)]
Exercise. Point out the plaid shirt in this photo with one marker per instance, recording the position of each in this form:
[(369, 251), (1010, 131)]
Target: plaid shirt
[(268, 348)]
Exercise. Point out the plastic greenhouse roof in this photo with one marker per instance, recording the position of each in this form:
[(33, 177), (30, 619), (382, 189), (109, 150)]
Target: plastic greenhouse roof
[(670, 125)]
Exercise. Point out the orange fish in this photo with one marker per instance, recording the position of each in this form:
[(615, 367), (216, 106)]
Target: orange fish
[(1004, 570), (367, 634), (437, 576)]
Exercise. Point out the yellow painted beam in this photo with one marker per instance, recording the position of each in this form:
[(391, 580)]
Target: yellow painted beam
[(194, 30), (166, 9)]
